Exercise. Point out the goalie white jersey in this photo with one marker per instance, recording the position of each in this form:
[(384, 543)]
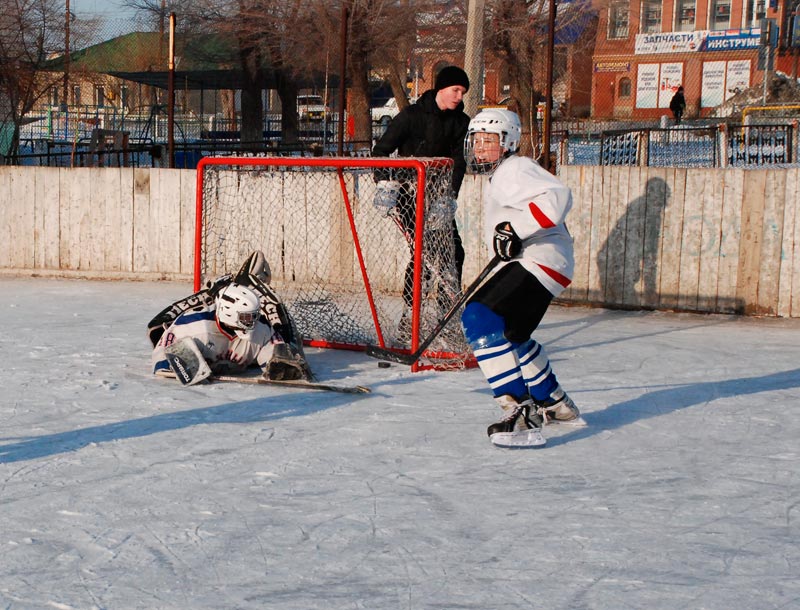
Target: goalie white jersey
[(225, 353)]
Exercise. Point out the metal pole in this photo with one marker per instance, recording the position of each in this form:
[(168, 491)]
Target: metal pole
[(65, 101), (548, 95), (473, 56), (171, 94)]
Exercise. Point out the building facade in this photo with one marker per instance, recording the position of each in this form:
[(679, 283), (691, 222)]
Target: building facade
[(646, 49)]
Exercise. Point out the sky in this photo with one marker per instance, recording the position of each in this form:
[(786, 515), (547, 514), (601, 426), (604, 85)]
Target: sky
[(121, 490)]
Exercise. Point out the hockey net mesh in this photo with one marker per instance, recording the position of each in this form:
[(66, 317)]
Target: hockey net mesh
[(337, 261)]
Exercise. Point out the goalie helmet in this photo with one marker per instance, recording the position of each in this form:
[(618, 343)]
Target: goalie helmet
[(238, 307), (499, 121)]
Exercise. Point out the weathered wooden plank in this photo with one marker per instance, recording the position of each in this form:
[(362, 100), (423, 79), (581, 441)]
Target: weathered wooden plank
[(165, 214), (709, 241), (690, 240), (633, 257), (770, 263), (672, 235), (657, 199), (727, 300), (142, 219), (753, 196), (600, 198), (789, 277), (188, 214), (6, 217), (46, 212), (615, 241), (20, 201), (94, 224)]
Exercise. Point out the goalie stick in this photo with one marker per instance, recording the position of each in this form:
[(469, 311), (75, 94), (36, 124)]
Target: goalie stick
[(293, 383), (375, 351)]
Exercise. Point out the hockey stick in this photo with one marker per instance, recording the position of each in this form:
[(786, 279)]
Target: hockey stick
[(294, 383), (376, 351)]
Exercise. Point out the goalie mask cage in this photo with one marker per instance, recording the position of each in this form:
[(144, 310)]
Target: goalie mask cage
[(338, 262)]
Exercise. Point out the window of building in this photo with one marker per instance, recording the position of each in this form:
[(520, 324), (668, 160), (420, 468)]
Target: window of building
[(685, 11), (720, 17), (76, 95), (754, 14), (618, 19), (99, 96), (123, 95), (624, 87), (651, 16)]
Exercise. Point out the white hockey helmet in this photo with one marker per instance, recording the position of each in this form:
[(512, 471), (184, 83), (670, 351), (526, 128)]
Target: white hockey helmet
[(505, 124), (238, 307)]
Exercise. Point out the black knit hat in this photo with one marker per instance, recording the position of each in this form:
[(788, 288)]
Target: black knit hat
[(451, 75)]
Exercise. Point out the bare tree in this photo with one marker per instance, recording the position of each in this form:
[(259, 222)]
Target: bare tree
[(517, 35), (28, 36)]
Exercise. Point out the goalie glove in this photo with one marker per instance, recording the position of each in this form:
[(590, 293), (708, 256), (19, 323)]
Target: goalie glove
[(506, 243), (386, 194)]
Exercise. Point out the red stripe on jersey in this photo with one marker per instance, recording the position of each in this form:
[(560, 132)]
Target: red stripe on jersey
[(561, 279), (540, 216)]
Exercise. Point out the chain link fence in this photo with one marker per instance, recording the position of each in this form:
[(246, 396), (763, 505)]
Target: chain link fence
[(603, 109)]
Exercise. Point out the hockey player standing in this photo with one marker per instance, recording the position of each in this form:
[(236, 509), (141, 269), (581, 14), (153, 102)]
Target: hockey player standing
[(524, 212)]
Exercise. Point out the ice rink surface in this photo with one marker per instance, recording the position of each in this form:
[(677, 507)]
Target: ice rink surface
[(122, 491)]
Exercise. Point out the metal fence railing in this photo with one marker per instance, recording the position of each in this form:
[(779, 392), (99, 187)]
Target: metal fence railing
[(723, 145), (66, 139)]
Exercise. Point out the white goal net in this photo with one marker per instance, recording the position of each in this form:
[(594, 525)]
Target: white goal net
[(342, 266)]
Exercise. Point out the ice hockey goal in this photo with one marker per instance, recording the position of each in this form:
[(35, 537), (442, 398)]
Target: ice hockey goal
[(338, 262)]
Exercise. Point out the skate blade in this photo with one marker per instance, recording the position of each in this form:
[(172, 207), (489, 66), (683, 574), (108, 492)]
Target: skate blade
[(578, 422), (518, 439)]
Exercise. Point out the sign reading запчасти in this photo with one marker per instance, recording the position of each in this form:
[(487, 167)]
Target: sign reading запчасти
[(700, 40)]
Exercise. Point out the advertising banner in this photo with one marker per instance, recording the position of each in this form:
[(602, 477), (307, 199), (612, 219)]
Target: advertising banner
[(669, 42), (713, 86), (647, 86), (671, 78)]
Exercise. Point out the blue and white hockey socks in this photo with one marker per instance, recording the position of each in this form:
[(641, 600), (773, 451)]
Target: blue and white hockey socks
[(517, 369)]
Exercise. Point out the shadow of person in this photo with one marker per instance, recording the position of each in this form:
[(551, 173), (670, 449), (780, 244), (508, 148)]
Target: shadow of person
[(665, 400), (628, 259)]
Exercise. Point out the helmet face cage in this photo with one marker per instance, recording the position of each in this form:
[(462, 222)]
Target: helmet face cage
[(238, 307), (499, 121)]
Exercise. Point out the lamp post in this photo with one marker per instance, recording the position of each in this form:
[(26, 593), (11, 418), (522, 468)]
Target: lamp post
[(548, 93), (171, 94)]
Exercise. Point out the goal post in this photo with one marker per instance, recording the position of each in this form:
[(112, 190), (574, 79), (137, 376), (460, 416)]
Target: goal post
[(349, 274)]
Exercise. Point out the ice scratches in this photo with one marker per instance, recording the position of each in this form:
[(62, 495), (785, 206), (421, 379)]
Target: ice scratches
[(791, 508)]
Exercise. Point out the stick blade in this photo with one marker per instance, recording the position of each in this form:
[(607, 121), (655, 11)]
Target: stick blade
[(375, 351)]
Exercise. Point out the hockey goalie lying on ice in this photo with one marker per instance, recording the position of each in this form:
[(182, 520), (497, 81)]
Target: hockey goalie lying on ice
[(236, 322)]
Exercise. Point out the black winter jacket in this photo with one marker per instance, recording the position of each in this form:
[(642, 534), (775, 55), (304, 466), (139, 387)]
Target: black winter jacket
[(423, 130)]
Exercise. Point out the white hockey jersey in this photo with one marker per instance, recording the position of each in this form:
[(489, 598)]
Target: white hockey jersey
[(536, 204), (224, 353)]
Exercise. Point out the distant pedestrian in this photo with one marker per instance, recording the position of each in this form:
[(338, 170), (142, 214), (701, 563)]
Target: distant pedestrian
[(677, 105)]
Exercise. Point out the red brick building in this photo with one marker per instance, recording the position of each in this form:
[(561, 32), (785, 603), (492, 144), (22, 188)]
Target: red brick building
[(645, 49)]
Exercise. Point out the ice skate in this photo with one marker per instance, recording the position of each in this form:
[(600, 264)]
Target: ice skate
[(560, 409), (517, 428)]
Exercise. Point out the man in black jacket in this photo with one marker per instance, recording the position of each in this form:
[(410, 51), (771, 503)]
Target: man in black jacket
[(677, 105), (434, 126)]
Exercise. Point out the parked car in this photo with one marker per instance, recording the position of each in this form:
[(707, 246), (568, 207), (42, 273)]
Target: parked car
[(311, 107), (384, 114)]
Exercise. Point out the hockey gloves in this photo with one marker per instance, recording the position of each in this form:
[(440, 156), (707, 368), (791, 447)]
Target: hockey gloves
[(386, 195), (507, 244)]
